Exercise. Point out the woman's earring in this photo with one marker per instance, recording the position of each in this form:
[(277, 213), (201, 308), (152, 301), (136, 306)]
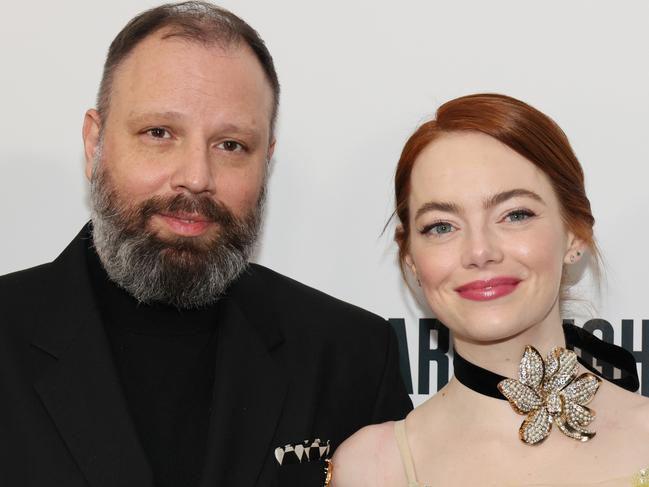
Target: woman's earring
[(573, 257)]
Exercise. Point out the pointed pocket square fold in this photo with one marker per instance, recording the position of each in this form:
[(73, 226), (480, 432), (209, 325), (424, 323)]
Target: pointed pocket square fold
[(306, 451)]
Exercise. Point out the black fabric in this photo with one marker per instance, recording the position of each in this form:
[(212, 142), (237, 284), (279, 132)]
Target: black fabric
[(165, 360), (291, 364), (606, 353), (485, 381), (476, 378)]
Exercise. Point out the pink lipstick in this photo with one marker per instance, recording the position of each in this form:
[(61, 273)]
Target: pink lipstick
[(490, 289)]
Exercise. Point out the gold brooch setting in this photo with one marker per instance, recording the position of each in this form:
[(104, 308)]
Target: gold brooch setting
[(549, 392)]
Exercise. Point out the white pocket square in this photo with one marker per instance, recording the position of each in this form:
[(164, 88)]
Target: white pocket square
[(306, 451)]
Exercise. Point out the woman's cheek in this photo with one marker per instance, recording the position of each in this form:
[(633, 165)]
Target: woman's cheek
[(435, 266)]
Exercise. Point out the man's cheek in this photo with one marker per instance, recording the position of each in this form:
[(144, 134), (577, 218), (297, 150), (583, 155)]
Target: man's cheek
[(240, 200)]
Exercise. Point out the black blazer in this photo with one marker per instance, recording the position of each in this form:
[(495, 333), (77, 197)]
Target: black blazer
[(292, 364)]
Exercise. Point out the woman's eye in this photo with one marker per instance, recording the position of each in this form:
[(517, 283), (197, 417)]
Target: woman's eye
[(439, 228), (231, 146), (159, 133), (518, 215)]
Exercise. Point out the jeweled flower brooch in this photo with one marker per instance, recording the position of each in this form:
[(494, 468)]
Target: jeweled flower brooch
[(550, 392)]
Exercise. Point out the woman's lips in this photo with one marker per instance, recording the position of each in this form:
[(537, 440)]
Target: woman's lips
[(186, 225), (490, 289)]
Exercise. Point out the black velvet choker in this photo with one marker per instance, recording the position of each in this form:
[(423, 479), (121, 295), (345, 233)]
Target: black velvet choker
[(608, 356), (476, 378)]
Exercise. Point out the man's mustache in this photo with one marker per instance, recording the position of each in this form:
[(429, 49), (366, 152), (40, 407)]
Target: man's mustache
[(203, 206)]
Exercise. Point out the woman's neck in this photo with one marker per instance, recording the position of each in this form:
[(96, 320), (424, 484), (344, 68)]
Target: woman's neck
[(503, 357)]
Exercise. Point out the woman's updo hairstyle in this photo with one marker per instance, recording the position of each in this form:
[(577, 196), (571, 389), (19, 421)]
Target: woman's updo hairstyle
[(522, 128)]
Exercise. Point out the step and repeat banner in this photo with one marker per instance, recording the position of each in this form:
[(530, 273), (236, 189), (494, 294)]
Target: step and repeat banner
[(357, 78)]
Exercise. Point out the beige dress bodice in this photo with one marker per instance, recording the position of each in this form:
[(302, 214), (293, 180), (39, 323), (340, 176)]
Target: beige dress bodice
[(640, 479)]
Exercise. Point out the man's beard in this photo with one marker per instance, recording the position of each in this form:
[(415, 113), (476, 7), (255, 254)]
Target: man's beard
[(184, 272)]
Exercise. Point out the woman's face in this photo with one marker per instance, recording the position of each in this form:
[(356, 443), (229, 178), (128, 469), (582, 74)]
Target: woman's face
[(487, 241)]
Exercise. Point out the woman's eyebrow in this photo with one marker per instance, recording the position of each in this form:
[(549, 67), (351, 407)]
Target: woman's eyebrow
[(494, 200), (503, 196), (439, 206)]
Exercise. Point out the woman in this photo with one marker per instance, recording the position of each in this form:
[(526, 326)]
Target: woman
[(493, 212)]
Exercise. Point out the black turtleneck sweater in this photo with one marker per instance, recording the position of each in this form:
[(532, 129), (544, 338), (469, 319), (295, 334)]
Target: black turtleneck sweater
[(165, 359)]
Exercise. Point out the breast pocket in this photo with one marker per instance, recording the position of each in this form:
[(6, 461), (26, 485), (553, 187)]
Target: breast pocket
[(301, 475)]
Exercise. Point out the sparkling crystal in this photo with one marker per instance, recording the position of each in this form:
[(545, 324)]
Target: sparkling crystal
[(581, 390), (551, 363), (536, 427), (548, 392), (641, 478), (522, 398), (578, 416), (576, 433), (566, 371), (553, 403), (530, 370)]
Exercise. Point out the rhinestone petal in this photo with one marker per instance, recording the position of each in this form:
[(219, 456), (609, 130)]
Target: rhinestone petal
[(581, 390), (551, 363), (576, 433), (566, 371), (530, 370), (577, 416), (521, 397), (536, 427)]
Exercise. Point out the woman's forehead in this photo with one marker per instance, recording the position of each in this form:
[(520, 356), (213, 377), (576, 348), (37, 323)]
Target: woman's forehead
[(471, 165)]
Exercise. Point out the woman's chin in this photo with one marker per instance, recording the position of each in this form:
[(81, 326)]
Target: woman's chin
[(488, 331)]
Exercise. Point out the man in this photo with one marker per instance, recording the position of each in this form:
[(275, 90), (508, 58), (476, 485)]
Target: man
[(150, 352)]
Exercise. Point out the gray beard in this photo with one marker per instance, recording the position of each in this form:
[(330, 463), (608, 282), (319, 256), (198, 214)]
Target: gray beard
[(183, 272)]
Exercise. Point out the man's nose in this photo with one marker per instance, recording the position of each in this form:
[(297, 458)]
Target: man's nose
[(194, 169), (481, 248)]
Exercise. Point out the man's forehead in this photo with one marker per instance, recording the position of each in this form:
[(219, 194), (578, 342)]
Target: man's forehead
[(173, 79), (168, 38), (161, 62)]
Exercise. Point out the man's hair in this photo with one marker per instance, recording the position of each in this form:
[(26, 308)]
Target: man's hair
[(193, 20)]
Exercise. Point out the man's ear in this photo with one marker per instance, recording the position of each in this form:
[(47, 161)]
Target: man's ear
[(271, 150), (575, 250), (91, 133)]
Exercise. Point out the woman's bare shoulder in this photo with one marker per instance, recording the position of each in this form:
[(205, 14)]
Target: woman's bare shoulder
[(370, 457)]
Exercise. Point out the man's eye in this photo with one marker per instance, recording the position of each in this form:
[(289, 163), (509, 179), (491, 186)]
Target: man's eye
[(518, 215), (231, 146), (159, 133), (438, 228)]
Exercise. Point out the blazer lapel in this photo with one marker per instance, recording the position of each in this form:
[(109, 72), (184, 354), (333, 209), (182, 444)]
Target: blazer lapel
[(249, 389), (81, 390)]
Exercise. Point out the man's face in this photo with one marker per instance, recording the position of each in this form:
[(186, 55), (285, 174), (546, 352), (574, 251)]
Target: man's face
[(183, 154), (189, 119)]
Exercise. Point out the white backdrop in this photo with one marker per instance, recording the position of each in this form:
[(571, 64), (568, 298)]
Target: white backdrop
[(357, 78)]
